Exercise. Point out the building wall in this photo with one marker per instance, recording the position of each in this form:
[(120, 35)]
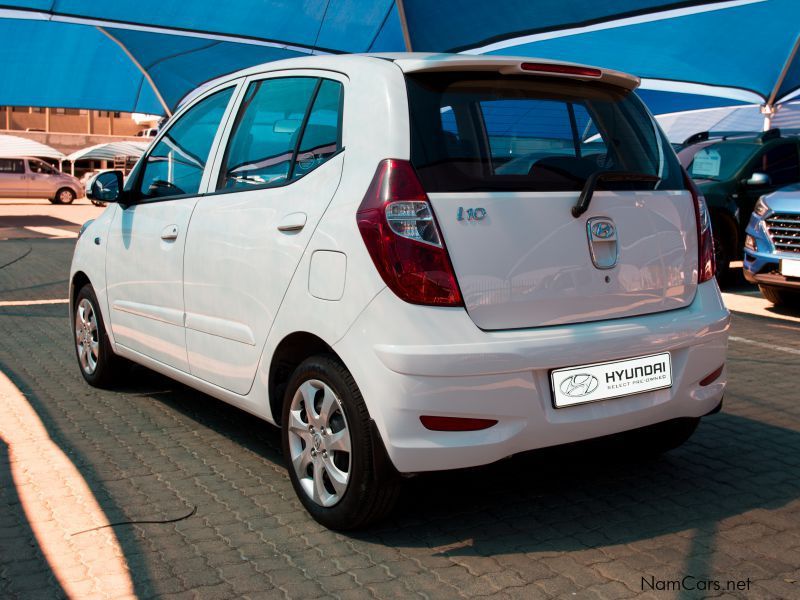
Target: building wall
[(68, 121)]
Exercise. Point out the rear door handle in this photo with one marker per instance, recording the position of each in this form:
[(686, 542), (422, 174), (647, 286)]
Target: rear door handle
[(170, 232), (293, 222)]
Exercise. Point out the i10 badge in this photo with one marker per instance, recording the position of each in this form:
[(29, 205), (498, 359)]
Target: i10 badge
[(471, 214)]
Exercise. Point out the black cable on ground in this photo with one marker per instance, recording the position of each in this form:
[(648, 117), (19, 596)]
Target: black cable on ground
[(139, 522), (19, 258)]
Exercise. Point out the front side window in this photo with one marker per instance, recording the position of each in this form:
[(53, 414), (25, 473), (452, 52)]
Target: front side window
[(492, 132), (175, 165), (37, 166), (782, 164), (286, 128), (12, 165)]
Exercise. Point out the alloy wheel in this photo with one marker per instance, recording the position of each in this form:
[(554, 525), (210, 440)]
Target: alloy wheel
[(87, 336), (319, 442)]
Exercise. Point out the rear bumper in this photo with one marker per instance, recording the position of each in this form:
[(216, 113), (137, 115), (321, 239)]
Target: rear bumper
[(411, 361)]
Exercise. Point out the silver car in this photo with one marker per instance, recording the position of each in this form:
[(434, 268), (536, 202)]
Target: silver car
[(29, 177)]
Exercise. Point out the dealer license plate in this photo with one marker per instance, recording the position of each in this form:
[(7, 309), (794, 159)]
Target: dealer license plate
[(602, 381), (790, 268)]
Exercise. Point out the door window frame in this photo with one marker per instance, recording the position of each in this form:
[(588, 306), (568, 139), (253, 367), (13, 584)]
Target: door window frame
[(222, 146), (135, 180)]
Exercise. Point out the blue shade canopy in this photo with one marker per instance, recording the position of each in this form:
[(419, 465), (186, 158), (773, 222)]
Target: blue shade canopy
[(145, 55), (742, 45), (123, 55)]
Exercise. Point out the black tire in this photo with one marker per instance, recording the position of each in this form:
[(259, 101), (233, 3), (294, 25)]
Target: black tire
[(108, 366), (723, 251), (663, 437), (64, 196), (373, 485), (778, 296)]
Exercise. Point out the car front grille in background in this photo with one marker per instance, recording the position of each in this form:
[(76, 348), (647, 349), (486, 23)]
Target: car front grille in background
[(784, 231)]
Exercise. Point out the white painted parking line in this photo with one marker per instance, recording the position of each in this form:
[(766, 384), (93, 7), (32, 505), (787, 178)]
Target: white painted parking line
[(764, 345), (33, 302), (52, 231)]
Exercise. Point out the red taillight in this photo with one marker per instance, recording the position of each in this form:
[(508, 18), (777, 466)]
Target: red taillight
[(402, 237), (435, 423), (561, 69), (706, 264)]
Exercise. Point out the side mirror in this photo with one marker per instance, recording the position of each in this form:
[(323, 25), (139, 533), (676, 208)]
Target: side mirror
[(758, 180), (105, 187)]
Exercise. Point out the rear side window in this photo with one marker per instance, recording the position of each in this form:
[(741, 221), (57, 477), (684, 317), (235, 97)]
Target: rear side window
[(11, 165), (322, 135), (279, 119), (489, 132)]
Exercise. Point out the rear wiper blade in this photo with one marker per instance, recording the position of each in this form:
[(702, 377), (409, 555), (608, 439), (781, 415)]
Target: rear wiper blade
[(591, 182)]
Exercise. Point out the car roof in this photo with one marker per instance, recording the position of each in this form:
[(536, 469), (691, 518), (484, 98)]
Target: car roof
[(409, 62)]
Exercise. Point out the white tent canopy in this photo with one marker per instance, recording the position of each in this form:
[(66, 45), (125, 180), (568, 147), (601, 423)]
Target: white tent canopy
[(109, 151), (680, 125), (12, 145)]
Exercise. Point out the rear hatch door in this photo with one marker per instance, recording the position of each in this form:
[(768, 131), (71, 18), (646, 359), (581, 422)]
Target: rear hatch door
[(504, 158)]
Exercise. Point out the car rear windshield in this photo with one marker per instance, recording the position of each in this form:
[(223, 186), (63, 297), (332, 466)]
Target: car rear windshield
[(492, 132)]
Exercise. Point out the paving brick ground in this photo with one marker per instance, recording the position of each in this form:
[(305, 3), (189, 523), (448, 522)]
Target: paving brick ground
[(578, 522)]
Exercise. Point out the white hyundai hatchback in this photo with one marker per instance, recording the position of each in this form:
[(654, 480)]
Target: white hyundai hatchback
[(411, 263)]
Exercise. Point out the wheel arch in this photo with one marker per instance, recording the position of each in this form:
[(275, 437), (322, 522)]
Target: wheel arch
[(79, 279), (292, 350)]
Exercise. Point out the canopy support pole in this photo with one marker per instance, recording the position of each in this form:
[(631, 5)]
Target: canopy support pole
[(401, 13), (141, 69), (769, 108)]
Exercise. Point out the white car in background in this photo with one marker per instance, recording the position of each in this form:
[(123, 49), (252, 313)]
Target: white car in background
[(331, 244)]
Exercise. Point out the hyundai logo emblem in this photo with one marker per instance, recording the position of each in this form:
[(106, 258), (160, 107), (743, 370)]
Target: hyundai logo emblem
[(579, 385), (602, 230)]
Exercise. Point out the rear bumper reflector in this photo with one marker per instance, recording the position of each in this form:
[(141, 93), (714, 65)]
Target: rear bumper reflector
[(435, 423), (711, 377)]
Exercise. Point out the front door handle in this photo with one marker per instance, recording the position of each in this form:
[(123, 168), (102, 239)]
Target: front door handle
[(170, 232), (293, 222)]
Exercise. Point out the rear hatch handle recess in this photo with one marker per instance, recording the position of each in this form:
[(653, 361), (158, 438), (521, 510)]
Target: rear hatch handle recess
[(591, 182)]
